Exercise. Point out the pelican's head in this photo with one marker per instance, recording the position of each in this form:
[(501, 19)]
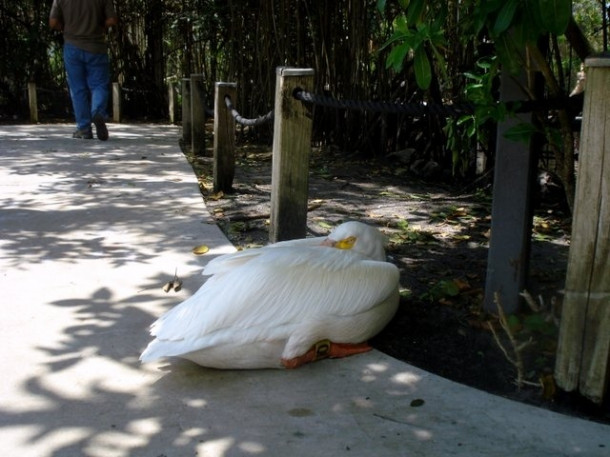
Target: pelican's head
[(358, 237)]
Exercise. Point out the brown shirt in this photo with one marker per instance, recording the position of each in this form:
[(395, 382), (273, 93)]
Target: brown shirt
[(83, 22)]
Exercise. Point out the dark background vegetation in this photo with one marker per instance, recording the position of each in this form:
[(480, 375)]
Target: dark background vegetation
[(160, 42)]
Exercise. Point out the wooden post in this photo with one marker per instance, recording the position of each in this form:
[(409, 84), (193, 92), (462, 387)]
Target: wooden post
[(511, 218), (583, 352), (116, 102), (171, 102), (291, 147), (33, 102), (224, 138), (197, 115), (187, 123)]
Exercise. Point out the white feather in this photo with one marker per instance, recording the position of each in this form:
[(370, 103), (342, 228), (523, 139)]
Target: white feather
[(275, 302)]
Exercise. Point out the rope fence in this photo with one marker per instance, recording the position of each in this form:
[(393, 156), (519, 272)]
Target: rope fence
[(573, 104), (247, 122), (423, 109)]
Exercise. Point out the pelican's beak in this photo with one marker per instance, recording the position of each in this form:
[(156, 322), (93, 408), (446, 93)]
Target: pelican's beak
[(345, 243)]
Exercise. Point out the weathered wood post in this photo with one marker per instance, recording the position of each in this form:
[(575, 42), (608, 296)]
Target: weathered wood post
[(33, 102), (197, 115), (171, 102), (511, 218), (224, 137), (583, 353), (187, 123), (291, 147), (116, 102)]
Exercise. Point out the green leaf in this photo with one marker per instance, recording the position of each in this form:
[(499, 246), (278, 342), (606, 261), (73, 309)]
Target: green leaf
[(421, 66), (381, 5), (414, 11), (450, 288), (400, 24), (555, 15), (397, 56), (505, 16)]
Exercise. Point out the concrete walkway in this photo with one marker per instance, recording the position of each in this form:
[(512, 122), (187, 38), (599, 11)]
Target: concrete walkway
[(89, 233)]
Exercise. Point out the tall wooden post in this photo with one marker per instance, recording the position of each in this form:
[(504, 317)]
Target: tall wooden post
[(187, 123), (511, 218), (224, 137), (197, 115), (116, 102), (583, 353), (171, 102), (291, 148), (33, 102)]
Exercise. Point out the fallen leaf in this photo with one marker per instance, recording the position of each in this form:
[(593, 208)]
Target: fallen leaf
[(417, 403), (217, 195), (201, 249), (549, 388)]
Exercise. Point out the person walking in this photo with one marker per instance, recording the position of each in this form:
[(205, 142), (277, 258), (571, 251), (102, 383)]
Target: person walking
[(84, 23)]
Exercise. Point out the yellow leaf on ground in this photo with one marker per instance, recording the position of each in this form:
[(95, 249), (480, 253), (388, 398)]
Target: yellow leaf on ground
[(200, 250), (217, 196)]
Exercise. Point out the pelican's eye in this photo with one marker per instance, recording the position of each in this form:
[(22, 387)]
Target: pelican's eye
[(346, 243)]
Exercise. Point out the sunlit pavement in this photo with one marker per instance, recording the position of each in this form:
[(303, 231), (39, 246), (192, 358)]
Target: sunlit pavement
[(90, 232)]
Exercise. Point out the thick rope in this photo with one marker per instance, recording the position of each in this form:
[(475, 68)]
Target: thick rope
[(249, 122), (421, 109), (411, 109)]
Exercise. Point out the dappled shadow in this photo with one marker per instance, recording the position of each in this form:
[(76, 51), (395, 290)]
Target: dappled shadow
[(73, 200)]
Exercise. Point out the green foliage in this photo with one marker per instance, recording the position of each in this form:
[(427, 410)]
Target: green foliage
[(505, 28), (414, 36), (409, 235), (441, 290)]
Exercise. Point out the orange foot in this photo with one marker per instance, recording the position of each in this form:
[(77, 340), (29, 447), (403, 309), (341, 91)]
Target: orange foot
[(325, 348)]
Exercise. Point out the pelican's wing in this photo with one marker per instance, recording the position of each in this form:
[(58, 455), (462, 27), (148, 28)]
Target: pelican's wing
[(228, 262), (275, 290)]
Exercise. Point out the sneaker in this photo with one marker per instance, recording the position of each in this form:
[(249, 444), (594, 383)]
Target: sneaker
[(83, 134), (100, 127)]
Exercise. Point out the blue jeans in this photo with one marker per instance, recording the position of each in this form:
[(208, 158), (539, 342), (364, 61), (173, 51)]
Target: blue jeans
[(89, 82)]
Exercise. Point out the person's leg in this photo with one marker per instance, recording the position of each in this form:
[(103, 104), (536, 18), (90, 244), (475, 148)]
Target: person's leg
[(77, 82), (98, 81)]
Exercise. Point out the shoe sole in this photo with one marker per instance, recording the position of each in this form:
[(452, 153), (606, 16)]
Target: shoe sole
[(100, 127)]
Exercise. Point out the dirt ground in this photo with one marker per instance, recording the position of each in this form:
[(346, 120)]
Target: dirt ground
[(438, 236)]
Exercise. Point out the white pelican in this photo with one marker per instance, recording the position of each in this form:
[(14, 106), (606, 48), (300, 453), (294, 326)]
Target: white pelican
[(285, 304)]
